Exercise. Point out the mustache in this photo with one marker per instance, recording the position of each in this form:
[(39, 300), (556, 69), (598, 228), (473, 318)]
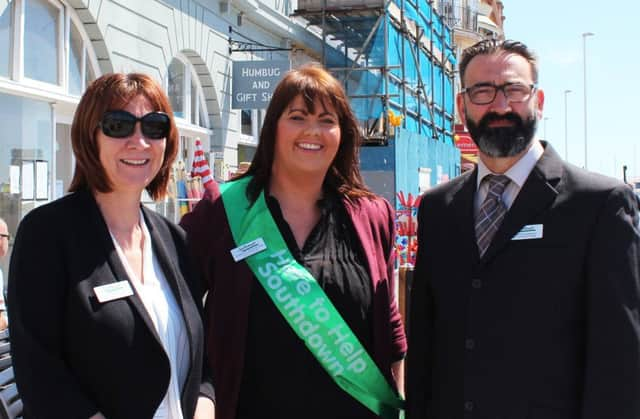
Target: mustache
[(493, 117)]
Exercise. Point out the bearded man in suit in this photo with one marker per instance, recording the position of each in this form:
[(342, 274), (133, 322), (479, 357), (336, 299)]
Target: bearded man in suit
[(526, 294)]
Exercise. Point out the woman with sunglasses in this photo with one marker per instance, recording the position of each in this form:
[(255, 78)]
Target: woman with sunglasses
[(302, 319), (105, 313)]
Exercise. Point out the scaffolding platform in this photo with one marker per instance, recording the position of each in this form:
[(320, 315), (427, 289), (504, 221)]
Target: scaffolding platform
[(394, 57), (396, 61)]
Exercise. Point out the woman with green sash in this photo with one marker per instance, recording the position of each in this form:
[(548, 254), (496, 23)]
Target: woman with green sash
[(297, 255)]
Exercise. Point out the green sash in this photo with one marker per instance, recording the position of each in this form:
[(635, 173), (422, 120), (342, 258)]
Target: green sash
[(303, 303)]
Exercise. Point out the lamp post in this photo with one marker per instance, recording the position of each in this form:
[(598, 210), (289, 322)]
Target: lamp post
[(566, 129), (584, 61)]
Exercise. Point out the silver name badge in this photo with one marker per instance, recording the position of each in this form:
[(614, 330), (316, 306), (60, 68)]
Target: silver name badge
[(110, 292), (529, 232), (248, 249)]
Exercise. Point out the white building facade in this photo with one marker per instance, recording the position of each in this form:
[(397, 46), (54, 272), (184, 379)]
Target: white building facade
[(50, 50)]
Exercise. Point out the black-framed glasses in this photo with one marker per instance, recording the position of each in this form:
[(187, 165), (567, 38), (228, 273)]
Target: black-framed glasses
[(6, 236), (485, 93), (121, 124)]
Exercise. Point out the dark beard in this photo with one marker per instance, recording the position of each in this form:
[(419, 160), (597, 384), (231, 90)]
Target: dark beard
[(502, 141)]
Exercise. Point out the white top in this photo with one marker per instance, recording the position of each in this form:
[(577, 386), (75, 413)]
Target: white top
[(161, 305), (518, 174)]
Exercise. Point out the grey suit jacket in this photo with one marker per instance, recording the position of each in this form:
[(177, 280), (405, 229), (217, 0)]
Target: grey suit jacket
[(544, 328), (74, 356)]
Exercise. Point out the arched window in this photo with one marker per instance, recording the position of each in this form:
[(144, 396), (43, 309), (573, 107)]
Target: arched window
[(185, 94), (176, 87), (76, 61), (50, 50), (42, 29)]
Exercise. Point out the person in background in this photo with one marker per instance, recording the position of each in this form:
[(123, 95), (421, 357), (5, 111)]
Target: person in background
[(304, 193), (105, 311), (4, 248), (526, 289)]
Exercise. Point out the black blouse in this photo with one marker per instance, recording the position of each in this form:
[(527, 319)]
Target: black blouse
[(281, 378)]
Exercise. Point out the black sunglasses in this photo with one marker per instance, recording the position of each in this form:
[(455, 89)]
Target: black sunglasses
[(121, 124)]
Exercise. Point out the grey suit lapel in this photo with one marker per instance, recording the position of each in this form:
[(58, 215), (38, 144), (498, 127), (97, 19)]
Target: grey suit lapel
[(537, 194)]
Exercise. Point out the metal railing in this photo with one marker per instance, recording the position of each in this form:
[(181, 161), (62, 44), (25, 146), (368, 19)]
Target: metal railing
[(458, 15)]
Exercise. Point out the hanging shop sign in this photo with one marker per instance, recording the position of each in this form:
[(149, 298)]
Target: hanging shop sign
[(254, 81)]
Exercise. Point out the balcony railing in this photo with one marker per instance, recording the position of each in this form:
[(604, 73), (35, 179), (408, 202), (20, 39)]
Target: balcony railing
[(458, 16)]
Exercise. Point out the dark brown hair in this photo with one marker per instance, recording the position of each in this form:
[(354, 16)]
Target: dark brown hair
[(312, 82), (493, 46), (111, 92)]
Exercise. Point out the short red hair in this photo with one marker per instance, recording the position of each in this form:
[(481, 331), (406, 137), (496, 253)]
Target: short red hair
[(111, 92)]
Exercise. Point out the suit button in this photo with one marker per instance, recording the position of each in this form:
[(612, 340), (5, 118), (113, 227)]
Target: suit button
[(469, 344), (468, 406), (476, 283)]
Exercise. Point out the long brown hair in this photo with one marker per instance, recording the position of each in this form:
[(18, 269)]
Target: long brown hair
[(312, 82), (110, 92)]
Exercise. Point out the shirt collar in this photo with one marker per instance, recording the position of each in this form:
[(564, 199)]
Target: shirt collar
[(519, 172)]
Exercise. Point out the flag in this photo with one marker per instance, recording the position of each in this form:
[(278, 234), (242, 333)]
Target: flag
[(200, 166)]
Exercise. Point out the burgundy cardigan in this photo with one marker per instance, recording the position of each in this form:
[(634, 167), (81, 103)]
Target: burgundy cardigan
[(229, 285)]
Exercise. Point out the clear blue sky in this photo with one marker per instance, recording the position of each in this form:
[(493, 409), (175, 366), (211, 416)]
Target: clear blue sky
[(553, 29)]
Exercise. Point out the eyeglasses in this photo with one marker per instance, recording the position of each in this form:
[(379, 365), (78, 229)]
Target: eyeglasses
[(121, 124), (6, 236), (485, 93)]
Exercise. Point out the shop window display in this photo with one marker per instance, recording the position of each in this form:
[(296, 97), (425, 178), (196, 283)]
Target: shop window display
[(25, 157), (191, 174), (30, 174)]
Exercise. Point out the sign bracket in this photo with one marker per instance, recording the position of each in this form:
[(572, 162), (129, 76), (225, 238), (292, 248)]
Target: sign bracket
[(249, 45)]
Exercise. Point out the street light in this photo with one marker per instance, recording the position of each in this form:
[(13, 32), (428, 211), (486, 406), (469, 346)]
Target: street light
[(566, 129), (584, 60)]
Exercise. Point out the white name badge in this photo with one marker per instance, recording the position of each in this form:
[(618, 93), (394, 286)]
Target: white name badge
[(113, 291), (248, 249), (528, 232)]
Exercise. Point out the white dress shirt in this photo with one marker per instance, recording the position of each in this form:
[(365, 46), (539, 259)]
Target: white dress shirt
[(167, 318), (518, 174)]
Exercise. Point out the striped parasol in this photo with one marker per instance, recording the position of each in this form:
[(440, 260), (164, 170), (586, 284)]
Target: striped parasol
[(201, 166)]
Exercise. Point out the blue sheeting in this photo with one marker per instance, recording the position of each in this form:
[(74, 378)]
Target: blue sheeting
[(402, 161), (421, 67), (425, 138), (414, 151)]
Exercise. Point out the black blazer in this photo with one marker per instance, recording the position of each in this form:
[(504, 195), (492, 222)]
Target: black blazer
[(74, 356), (544, 328)]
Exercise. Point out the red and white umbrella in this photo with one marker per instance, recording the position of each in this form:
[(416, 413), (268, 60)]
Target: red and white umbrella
[(201, 166)]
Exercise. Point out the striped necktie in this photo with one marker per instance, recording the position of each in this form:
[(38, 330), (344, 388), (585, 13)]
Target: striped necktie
[(491, 212)]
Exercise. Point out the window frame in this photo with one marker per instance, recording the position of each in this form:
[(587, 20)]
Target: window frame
[(60, 51), (190, 76), (66, 18)]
